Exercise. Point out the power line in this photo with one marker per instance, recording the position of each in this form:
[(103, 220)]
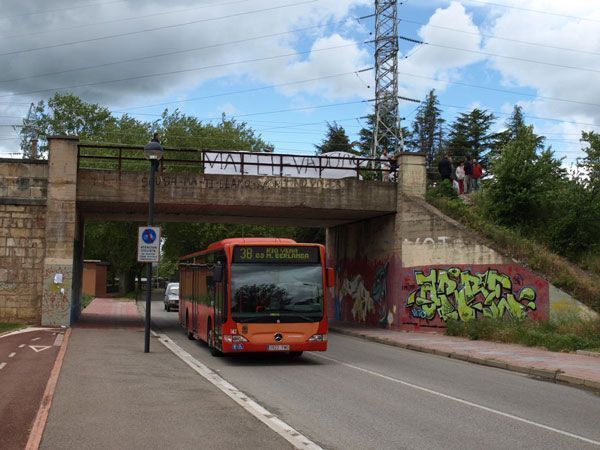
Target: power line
[(459, 83), (243, 91), (126, 19), (165, 27), (173, 72), (534, 10), (87, 5), (159, 55), (490, 36), (479, 52)]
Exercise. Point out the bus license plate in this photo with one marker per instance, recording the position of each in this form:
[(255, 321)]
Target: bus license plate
[(278, 348)]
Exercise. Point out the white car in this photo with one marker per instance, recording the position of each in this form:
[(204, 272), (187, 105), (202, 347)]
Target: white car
[(172, 296)]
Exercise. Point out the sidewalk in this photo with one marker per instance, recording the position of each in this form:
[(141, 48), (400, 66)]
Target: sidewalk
[(568, 368), (111, 394)]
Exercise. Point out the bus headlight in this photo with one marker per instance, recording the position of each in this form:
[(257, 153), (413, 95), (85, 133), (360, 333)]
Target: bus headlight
[(318, 338), (234, 338)]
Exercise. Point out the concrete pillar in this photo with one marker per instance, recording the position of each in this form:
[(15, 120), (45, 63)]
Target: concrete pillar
[(61, 230), (412, 177), (368, 256)]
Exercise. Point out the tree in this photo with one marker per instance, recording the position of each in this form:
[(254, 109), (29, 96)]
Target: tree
[(365, 142), (428, 134), (115, 243), (526, 179), (470, 135), (336, 140)]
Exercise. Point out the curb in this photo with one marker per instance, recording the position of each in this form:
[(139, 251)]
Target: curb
[(39, 424), (545, 374)]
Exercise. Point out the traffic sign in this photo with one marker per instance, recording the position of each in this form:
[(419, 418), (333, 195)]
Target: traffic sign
[(149, 244)]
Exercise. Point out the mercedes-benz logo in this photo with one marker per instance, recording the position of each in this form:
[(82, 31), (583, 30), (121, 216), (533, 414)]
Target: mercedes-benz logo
[(278, 337)]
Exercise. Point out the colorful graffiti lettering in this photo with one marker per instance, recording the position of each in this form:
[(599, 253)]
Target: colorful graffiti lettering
[(362, 300), (462, 295)]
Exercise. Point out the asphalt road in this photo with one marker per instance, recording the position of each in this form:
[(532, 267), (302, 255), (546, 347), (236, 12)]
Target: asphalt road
[(361, 395)]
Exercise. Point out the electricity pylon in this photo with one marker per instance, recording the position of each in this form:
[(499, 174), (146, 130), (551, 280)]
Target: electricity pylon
[(387, 134)]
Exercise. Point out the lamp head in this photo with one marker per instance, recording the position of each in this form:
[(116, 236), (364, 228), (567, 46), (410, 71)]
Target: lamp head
[(153, 150)]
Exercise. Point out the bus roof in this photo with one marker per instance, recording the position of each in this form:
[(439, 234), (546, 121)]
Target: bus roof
[(233, 241)]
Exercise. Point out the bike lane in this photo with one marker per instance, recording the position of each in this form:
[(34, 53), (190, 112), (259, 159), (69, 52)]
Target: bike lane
[(27, 358)]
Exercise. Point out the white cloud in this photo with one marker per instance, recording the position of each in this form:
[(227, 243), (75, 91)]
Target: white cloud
[(23, 32), (438, 60), (551, 33)]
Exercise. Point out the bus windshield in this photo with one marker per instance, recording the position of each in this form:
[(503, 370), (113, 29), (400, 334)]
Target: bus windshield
[(276, 292)]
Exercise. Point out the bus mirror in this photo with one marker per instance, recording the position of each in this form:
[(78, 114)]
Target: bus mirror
[(330, 277), (217, 274)]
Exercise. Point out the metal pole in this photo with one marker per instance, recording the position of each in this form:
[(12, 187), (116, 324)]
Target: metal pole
[(153, 167)]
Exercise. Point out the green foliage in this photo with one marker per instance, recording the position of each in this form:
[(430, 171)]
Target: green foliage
[(443, 189), (427, 134), (86, 299), (470, 135), (525, 183), (565, 334), (336, 140), (365, 141), (8, 327), (583, 286)]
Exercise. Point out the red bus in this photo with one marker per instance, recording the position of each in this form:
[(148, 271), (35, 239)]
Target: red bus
[(256, 295)]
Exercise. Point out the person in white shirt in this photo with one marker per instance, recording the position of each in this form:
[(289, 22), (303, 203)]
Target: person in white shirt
[(460, 177)]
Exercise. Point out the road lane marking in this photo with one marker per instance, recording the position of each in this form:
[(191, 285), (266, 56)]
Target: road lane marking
[(274, 423), (2, 365), (22, 345), (12, 354), (39, 348), (460, 400), (35, 339)]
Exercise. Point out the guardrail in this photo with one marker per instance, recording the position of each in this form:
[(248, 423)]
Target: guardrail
[(126, 158)]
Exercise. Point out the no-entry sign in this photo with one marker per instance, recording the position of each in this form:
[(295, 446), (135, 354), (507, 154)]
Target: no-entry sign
[(148, 244)]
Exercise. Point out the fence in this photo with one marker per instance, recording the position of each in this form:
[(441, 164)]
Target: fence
[(125, 158)]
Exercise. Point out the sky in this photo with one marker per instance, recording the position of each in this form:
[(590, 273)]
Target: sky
[(289, 67)]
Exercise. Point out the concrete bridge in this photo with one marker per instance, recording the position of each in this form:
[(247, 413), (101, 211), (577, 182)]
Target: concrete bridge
[(400, 262)]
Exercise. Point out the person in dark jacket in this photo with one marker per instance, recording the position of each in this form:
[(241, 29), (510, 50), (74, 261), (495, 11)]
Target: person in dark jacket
[(468, 174), (445, 168)]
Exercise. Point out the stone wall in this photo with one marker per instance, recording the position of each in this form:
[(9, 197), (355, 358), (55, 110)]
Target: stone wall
[(22, 239)]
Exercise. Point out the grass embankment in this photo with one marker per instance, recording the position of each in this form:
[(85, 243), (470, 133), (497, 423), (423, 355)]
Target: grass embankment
[(7, 327), (566, 334), (582, 285)]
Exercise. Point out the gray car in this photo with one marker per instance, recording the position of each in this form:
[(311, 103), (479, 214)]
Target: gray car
[(172, 297)]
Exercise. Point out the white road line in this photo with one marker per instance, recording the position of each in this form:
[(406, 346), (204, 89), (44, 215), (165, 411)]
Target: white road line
[(2, 365), (274, 423), (59, 339), (460, 400), (12, 354), (22, 345), (35, 339)]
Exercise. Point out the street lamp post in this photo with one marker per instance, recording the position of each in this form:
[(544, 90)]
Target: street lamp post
[(153, 151)]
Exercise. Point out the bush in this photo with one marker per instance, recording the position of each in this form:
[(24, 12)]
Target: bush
[(564, 334)]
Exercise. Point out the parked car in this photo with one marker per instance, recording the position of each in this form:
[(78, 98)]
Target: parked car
[(172, 296)]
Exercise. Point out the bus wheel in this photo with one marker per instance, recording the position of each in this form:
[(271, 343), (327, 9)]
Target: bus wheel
[(210, 337), (190, 335), (296, 354)]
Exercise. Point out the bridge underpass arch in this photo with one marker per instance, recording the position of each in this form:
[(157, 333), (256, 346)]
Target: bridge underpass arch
[(192, 197)]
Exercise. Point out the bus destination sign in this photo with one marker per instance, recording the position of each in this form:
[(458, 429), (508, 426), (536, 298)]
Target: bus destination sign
[(276, 254)]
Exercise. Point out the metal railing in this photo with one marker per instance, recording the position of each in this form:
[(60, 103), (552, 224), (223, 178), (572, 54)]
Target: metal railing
[(128, 158)]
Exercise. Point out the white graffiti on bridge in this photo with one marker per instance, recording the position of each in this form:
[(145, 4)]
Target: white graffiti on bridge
[(462, 295)]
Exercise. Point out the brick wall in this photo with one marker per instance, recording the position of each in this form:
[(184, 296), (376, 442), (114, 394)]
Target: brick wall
[(22, 247)]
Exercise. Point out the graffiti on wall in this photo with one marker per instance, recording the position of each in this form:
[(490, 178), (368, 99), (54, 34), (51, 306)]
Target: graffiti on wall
[(364, 301), (465, 295)]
